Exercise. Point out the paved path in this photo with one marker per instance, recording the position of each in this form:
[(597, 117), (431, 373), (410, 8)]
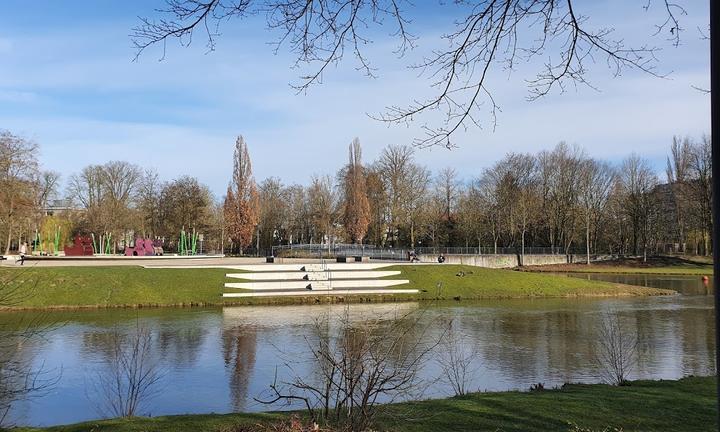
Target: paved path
[(165, 262), (90, 262)]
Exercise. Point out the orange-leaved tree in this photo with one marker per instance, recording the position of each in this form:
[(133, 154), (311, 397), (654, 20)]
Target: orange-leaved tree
[(241, 202), (357, 206)]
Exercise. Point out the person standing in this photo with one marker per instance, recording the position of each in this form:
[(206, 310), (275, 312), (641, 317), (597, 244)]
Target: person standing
[(23, 251)]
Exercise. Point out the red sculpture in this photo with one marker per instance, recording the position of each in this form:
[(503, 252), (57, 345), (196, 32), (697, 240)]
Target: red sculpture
[(82, 246)]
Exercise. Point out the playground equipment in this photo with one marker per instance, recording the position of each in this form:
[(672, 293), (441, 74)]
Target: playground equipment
[(51, 244), (187, 245), (144, 247), (103, 245)]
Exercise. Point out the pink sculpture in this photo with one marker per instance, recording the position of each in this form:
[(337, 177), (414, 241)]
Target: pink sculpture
[(144, 247)]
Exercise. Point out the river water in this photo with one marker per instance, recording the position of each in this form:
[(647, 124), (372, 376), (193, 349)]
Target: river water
[(221, 359)]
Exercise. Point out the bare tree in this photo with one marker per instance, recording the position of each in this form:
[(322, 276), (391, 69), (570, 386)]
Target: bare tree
[(470, 215), (299, 226), (131, 377), (378, 199), (509, 190), (273, 212), (559, 171), (447, 190), (108, 193), (492, 214), (457, 360), (487, 34), (18, 188), (639, 181), (359, 367), (701, 189), (616, 350), (19, 379), (595, 184), (406, 183), (321, 202), (149, 190), (184, 203), (522, 181)]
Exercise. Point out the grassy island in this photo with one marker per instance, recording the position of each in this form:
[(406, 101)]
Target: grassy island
[(127, 286)]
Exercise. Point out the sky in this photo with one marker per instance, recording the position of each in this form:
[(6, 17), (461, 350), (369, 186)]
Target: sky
[(69, 82)]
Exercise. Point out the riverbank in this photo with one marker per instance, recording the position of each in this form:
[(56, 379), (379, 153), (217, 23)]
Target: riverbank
[(102, 287), (688, 404), (664, 265)]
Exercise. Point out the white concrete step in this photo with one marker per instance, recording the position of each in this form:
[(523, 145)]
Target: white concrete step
[(277, 285), (331, 292), (367, 283), (334, 284), (321, 286), (313, 268), (293, 267), (317, 276), (353, 274), (269, 267)]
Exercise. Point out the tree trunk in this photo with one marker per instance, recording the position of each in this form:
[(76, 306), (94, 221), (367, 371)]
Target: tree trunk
[(587, 238), (412, 234), (9, 238)]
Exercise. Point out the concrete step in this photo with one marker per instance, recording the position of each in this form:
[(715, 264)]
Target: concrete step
[(313, 292), (333, 284), (298, 275), (276, 285), (317, 276), (321, 286), (289, 267)]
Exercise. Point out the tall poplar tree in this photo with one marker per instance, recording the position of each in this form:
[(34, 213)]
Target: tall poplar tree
[(357, 206), (241, 202)]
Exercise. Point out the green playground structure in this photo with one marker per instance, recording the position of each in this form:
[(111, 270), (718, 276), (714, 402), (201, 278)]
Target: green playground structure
[(187, 244), (103, 244)]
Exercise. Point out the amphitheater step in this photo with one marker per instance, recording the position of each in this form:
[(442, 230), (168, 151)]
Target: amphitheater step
[(298, 275), (333, 284), (321, 286), (330, 292)]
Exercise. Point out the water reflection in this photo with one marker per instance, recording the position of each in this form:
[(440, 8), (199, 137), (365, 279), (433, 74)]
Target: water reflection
[(219, 360), (684, 284), (239, 347)]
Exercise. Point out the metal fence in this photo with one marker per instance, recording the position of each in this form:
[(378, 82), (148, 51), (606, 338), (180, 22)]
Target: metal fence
[(374, 252)]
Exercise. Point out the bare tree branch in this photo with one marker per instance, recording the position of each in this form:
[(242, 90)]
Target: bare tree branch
[(492, 34)]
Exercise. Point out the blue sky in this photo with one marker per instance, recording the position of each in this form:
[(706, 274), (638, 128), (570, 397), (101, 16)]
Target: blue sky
[(68, 81)]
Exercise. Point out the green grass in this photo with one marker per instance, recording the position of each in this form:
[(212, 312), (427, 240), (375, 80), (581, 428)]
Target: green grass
[(684, 405), (56, 287), (116, 286), (668, 265), (484, 283), (674, 270)]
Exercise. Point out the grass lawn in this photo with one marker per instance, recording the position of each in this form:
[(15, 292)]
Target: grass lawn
[(655, 265), (685, 405), (48, 287)]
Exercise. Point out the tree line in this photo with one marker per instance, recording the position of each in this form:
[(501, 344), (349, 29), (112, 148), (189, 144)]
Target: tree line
[(559, 198)]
